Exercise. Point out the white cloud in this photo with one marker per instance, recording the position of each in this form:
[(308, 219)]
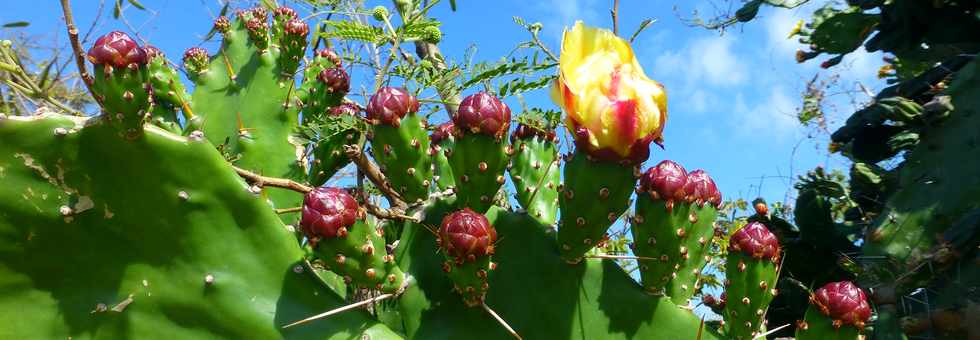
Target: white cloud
[(772, 118), (708, 60), (561, 13), (778, 25)]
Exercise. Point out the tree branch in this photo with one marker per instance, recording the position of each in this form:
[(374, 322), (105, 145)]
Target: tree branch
[(76, 46), (264, 181), (373, 173)]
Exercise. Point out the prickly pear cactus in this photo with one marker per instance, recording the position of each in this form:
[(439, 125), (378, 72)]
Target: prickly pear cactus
[(139, 222)]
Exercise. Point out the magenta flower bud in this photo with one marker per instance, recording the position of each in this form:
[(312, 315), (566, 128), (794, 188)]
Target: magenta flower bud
[(755, 240), (843, 302), (701, 189), (666, 181), (328, 213), (152, 52), (482, 113), (283, 11), (467, 235), (116, 49), (335, 79), (196, 60), (260, 13), (390, 104), (222, 24), (441, 133), (329, 54), (297, 27), (345, 108), (525, 131)]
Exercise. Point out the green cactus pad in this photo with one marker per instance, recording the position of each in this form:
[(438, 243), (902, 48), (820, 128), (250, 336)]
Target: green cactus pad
[(750, 287), (125, 97), (169, 93), (470, 279), (677, 240), (154, 237), (243, 100), (360, 259), (403, 154), (944, 167), (441, 170), (820, 327), (590, 205), (478, 162), (533, 289), (329, 157), (534, 167), (699, 236)]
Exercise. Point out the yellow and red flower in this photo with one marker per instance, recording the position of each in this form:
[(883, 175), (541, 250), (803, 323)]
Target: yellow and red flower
[(613, 110)]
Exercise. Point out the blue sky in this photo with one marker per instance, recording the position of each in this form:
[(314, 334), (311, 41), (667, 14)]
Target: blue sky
[(732, 96)]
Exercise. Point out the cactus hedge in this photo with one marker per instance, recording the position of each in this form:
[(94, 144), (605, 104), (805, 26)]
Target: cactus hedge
[(213, 210)]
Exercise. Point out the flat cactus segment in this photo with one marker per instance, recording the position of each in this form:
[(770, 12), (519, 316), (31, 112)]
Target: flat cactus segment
[(589, 205), (108, 238), (441, 140), (536, 174), (478, 163), (677, 240), (939, 183), (360, 259), (816, 326), (403, 154), (244, 104), (533, 289), (750, 279), (697, 241)]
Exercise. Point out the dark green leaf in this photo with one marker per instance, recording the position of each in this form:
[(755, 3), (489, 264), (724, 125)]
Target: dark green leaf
[(16, 24), (137, 4)]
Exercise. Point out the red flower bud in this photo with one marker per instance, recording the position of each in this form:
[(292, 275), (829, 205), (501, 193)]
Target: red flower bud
[(482, 113), (466, 234), (327, 211), (297, 27), (525, 131), (844, 302), (335, 79), (441, 132), (283, 11), (152, 52), (116, 49), (329, 55), (390, 104), (701, 189), (755, 240), (666, 181), (345, 108)]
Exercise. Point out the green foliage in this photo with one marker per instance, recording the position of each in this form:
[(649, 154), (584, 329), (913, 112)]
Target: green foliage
[(353, 30)]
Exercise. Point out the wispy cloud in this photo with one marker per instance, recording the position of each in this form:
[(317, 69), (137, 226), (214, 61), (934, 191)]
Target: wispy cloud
[(709, 60), (772, 118)]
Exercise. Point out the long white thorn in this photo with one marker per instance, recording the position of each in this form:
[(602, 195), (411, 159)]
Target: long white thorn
[(501, 321), (774, 330), (340, 310)]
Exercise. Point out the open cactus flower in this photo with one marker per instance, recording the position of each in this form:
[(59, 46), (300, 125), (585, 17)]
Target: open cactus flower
[(613, 111)]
